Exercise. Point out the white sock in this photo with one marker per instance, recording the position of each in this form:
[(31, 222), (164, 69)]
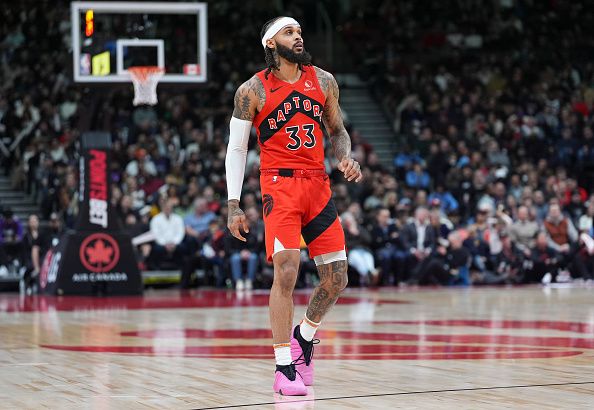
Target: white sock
[(282, 353), (308, 328)]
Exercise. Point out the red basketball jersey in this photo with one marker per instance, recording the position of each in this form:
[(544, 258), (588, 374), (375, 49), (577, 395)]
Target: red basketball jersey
[(289, 126)]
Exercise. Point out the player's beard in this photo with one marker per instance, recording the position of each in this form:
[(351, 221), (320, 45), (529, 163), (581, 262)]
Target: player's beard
[(288, 54)]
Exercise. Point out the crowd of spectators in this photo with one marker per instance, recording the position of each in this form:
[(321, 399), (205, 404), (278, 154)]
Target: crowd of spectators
[(492, 104)]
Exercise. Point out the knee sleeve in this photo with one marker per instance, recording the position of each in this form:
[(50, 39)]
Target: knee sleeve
[(330, 257)]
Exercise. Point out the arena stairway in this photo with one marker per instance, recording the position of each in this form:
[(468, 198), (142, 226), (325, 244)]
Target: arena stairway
[(367, 117), (21, 204)]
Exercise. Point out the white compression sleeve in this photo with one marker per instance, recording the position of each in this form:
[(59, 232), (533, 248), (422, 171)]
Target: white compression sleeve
[(239, 135)]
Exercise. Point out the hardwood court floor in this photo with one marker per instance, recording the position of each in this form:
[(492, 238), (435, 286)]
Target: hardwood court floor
[(480, 348)]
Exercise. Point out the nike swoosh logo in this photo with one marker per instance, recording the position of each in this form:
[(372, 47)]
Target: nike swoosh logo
[(275, 89)]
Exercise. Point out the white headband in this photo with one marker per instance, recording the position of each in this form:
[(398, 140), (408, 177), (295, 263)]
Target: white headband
[(277, 26)]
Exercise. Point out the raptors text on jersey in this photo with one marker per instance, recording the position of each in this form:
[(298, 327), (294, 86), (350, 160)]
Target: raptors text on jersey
[(289, 126)]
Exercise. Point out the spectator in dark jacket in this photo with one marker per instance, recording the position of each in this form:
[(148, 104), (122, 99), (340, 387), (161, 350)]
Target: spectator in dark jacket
[(544, 261), (508, 265), (418, 238), (446, 265), (387, 246)]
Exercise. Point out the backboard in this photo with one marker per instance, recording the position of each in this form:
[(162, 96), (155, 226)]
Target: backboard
[(108, 37)]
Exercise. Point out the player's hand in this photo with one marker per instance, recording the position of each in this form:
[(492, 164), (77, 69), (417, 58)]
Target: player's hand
[(237, 220), (351, 169)]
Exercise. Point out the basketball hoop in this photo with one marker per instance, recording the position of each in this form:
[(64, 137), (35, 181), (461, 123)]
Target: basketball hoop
[(145, 79)]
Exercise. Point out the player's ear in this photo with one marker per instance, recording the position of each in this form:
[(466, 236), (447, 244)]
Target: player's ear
[(270, 44)]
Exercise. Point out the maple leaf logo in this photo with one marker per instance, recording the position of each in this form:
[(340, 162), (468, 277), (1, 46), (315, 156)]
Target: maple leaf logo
[(99, 253)]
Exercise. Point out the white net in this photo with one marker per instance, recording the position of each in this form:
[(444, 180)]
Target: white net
[(145, 80)]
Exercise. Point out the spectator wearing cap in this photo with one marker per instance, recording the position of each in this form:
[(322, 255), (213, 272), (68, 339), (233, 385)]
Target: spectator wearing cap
[(444, 199), (142, 161)]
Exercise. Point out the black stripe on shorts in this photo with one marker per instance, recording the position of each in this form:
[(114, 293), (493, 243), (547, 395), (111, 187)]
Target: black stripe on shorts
[(320, 223)]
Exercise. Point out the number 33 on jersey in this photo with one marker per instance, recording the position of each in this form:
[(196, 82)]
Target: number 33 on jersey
[(289, 126)]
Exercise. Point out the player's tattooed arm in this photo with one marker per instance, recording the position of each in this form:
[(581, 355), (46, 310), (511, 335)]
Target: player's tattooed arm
[(333, 279), (339, 137), (249, 99), (332, 117)]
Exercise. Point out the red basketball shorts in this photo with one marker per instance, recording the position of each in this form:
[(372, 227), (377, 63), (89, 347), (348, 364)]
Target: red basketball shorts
[(300, 206)]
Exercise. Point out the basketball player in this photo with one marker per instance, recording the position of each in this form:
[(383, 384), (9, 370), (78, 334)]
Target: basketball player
[(287, 103)]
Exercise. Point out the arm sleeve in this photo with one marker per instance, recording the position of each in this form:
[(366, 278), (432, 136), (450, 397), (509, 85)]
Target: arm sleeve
[(239, 134)]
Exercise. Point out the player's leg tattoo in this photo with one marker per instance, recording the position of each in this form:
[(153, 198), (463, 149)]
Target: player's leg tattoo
[(333, 279), (286, 268)]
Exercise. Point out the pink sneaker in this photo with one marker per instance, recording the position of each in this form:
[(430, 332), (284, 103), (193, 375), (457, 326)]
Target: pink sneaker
[(302, 355), (288, 382)]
